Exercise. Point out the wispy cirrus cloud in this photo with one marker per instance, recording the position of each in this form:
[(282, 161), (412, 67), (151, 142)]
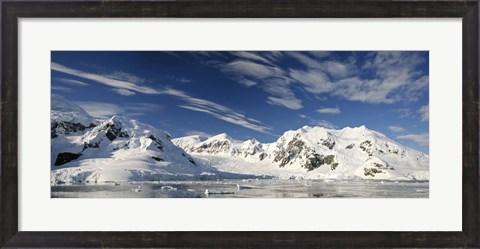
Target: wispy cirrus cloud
[(281, 94), (141, 109), (329, 110), (198, 133), (106, 110), (325, 124), (391, 76), (100, 109), (396, 128), (217, 111), (335, 69), (421, 139), (123, 92), (72, 82), (117, 80), (251, 56), (314, 81), (272, 79), (315, 122), (61, 88), (122, 84), (424, 112), (395, 77), (244, 68)]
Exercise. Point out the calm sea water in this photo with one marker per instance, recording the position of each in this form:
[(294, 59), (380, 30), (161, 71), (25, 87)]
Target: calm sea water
[(246, 189)]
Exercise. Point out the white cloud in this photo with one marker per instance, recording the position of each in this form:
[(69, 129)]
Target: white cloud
[(251, 56), (61, 88), (281, 94), (421, 139), (424, 112), (141, 109), (396, 128), (319, 54), (251, 69), (119, 75), (272, 55), (272, 79), (331, 110), (325, 124), (218, 111), (314, 81), (386, 77), (107, 110), (73, 82), (100, 109), (305, 60), (395, 77), (124, 92), (291, 103), (116, 80), (314, 122), (335, 69), (198, 133)]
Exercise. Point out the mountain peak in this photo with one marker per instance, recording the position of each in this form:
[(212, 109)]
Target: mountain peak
[(60, 104), (221, 136)]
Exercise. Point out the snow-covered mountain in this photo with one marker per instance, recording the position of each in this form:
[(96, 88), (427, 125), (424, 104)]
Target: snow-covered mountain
[(313, 152), (86, 149), (115, 149)]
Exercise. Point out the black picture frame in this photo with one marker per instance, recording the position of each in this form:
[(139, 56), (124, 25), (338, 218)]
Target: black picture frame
[(468, 10)]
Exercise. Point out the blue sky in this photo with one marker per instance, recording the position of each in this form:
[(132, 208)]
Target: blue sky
[(247, 94)]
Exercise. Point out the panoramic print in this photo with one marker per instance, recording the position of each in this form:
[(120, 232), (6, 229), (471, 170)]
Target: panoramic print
[(239, 124)]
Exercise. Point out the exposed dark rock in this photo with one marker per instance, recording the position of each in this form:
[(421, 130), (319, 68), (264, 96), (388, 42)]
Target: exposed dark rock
[(367, 147), (372, 171), (66, 128), (350, 146), (191, 160), (294, 149), (316, 160), (157, 142), (262, 156), (329, 144), (334, 166), (65, 157), (157, 158), (219, 146), (112, 132), (91, 145)]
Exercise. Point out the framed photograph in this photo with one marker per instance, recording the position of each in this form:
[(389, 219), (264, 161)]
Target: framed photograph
[(240, 124)]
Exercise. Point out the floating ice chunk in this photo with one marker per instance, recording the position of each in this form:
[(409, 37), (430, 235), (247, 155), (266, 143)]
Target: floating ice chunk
[(137, 189), (213, 192), (243, 187), (168, 188)]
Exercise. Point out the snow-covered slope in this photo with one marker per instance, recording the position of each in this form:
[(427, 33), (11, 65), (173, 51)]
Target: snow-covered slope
[(115, 149), (314, 152), (121, 149)]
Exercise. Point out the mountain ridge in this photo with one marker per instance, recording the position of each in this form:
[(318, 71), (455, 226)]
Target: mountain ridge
[(346, 153), (87, 149)]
